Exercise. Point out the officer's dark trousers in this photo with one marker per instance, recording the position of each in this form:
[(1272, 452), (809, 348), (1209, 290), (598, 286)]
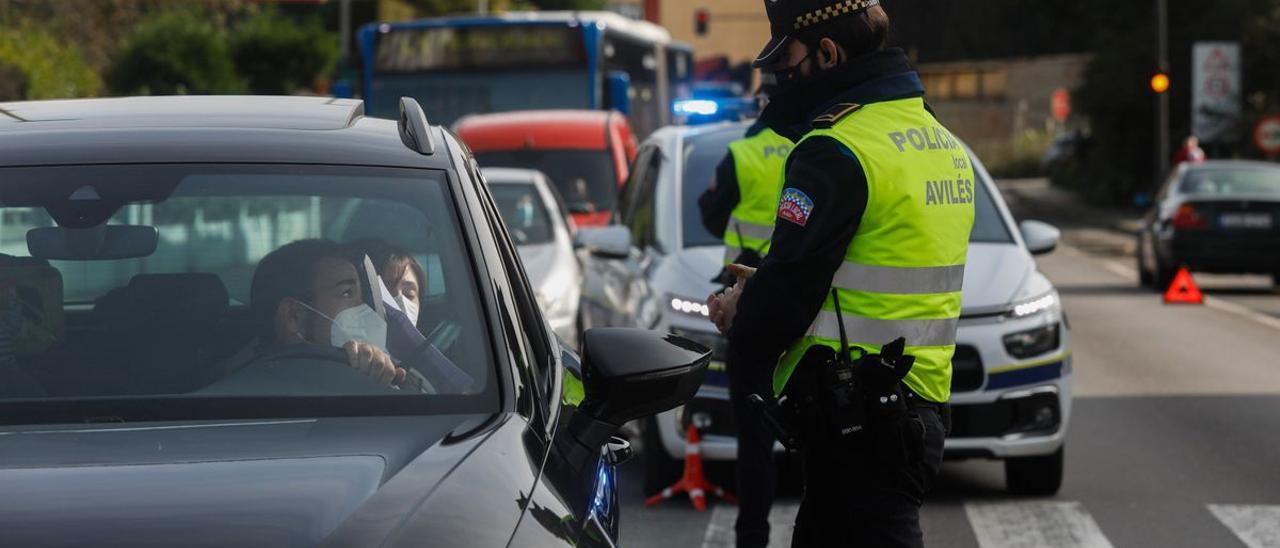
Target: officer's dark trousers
[(756, 473), (865, 496)]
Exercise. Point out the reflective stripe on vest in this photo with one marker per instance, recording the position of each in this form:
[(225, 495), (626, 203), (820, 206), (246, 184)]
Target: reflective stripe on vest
[(904, 269), (758, 163)]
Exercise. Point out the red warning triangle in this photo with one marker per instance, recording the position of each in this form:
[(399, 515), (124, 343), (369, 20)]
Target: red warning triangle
[(1183, 290)]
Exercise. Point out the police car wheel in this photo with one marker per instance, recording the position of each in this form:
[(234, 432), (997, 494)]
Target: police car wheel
[(660, 470), (1034, 475)]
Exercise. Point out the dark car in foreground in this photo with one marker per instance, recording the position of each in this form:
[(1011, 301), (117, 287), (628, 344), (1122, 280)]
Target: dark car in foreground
[(160, 385), (1220, 216)]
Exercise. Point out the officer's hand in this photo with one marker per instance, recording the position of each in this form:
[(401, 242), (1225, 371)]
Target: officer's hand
[(373, 361), (742, 272)]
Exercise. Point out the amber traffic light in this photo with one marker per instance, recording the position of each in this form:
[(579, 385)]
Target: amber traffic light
[(1160, 82)]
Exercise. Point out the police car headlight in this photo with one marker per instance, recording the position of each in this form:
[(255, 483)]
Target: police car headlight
[(1033, 342), (1031, 307), (689, 306)]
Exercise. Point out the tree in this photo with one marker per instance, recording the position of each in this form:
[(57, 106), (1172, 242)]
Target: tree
[(42, 67), (277, 56), (174, 52)]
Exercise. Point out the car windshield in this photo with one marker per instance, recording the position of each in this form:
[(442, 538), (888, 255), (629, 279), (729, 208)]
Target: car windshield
[(703, 153), (1228, 182), (198, 283), (524, 212), (585, 178)]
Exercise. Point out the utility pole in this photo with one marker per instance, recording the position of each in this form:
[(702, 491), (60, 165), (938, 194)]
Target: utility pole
[(1162, 106), (344, 27)]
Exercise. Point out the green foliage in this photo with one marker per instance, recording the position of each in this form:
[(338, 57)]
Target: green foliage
[(568, 4), (174, 52), (430, 8), (276, 55), (38, 66)]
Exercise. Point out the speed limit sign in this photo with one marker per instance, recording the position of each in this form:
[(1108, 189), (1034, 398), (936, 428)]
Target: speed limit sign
[(1267, 135)]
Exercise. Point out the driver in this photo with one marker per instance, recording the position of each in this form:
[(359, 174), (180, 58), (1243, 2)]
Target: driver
[(308, 292)]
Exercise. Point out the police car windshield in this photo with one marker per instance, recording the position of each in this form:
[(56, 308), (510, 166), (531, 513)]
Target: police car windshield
[(702, 153)]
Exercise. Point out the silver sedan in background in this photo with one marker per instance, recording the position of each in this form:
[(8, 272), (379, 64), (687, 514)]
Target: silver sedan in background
[(538, 221)]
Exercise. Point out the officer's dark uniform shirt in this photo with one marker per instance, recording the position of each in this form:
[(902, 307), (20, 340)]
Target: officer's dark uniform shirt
[(791, 284), (716, 204)]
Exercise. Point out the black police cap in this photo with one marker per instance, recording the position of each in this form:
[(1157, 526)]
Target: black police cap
[(789, 17)]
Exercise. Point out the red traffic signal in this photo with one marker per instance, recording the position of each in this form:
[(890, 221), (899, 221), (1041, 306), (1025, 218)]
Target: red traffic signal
[(701, 19), (1160, 82)]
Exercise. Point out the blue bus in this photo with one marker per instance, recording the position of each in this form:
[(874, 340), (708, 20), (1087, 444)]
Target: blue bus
[(462, 65)]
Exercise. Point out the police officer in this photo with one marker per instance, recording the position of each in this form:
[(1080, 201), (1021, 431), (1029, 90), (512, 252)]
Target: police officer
[(739, 207), (871, 237)]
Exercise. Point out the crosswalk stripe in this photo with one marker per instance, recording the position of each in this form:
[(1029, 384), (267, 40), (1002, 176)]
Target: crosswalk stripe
[(720, 527), (1255, 526), (1034, 525)]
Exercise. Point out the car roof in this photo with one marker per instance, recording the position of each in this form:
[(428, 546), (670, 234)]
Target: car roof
[(1231, 164), (511, 176), (240, 129), (537, 130)]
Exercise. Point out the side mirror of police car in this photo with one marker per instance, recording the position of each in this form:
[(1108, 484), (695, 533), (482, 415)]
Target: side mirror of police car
[(610, 242), (628, 374), (1041, 238)]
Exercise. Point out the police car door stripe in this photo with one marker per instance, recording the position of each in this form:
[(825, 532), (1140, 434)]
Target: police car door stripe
[(870, 331), (1040, 524), (720, 534), (899, 281), (748, 230), (1255, 526)]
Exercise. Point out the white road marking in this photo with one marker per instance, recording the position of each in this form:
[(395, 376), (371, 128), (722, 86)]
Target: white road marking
[(1221, 305), (720, 528), (1256, 526), (1034, 525)]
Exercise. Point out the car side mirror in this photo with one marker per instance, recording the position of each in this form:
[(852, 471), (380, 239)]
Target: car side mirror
[(610, 242), (628, 374), (1041, 238)]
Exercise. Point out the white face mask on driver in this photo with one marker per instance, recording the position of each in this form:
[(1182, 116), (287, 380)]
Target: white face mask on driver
[(361, 323)]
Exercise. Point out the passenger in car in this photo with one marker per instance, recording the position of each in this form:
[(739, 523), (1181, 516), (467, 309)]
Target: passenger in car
[(298, 293), (403, 276)]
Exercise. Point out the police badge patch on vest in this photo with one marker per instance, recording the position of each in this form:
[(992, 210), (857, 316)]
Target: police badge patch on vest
[(795, 206)]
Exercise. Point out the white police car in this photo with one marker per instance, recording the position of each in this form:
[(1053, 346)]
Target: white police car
[(1011, 387)]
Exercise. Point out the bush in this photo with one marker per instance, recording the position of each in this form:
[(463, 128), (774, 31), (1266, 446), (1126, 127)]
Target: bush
[(277, 56), (35, 65), (174, 52)]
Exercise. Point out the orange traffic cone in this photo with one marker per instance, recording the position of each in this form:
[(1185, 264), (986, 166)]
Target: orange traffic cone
[(693, 482), (1183, 290)]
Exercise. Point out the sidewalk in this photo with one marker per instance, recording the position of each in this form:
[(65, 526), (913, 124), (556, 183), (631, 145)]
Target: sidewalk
[(1094, 229)]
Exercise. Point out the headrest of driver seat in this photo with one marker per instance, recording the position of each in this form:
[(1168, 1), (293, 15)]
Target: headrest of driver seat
[(152, 298)]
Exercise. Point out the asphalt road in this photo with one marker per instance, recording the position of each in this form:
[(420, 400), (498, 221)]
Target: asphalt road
[(1173, 440)]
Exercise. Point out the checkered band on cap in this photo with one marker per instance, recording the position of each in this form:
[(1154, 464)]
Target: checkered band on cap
[(832, 11)]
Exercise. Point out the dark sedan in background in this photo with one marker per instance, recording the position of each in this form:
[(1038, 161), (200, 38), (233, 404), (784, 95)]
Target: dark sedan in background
[(1219, 216), (182, 285)]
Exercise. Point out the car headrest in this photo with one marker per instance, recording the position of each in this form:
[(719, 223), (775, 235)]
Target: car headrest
[(184, 298)]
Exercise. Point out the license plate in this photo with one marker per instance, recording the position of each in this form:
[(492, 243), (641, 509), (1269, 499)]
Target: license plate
[(1245, 220)]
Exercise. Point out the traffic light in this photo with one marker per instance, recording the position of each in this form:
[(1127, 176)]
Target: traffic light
[(1160, 82), (701, 19)]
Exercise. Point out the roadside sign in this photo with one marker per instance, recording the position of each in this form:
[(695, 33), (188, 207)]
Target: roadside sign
[(1215, 89), (1267, 135), (1061, 104)]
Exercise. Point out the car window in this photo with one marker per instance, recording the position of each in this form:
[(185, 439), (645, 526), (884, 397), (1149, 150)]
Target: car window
[(1227, 182), (631, 189), (585, 178), (640, 217), (191, 282), (524, 213), (989, 225)]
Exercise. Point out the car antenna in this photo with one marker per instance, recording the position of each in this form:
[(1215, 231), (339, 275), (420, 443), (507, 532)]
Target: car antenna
[(414, 127)]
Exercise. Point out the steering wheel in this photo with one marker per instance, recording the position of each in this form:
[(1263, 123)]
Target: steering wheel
[(325, 369)]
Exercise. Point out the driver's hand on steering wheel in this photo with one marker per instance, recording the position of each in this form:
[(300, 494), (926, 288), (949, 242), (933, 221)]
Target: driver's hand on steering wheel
[(373, 361)]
